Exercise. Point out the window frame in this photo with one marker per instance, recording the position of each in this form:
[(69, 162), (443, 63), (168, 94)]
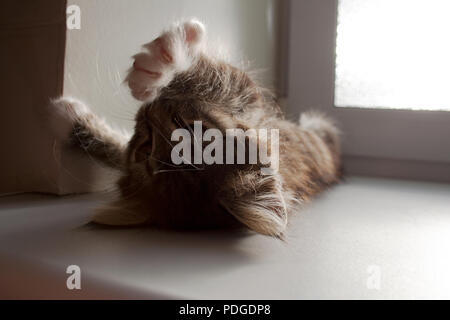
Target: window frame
[(371, 137)]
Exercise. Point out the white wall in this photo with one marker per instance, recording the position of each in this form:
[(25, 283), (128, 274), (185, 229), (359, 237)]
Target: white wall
[(98, 54)]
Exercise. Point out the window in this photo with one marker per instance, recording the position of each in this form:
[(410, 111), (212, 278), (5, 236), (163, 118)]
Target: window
[(383, 73), (393, 54)]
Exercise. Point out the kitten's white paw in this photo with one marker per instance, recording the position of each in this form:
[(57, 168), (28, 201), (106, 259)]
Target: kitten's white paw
[(172, 52), (63, 114)]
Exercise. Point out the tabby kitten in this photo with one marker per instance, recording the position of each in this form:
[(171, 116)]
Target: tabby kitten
[(178, 84)]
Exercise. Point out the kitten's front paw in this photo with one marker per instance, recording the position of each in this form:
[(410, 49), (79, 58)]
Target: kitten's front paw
[(63, 114), (173, 52)]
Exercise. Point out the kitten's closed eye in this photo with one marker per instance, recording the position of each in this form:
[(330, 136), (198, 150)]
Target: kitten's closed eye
[(183, 124), (189, 124)]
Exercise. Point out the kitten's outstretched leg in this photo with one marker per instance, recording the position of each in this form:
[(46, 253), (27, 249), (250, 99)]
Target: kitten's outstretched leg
[(173, 52), (76, 126)]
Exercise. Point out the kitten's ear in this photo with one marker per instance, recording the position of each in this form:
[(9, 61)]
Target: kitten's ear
[(258, 202), (120, 213)]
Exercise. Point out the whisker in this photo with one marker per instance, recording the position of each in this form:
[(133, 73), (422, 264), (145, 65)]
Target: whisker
[(175, 170), (162, 135), (160, 161), (189, 128)]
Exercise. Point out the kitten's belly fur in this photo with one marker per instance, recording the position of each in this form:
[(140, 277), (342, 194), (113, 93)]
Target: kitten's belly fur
[(178, 84)]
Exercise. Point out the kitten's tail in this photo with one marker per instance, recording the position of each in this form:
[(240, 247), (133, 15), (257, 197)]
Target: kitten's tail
[(324, 127)]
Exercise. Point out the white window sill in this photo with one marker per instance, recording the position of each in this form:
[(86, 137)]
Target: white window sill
[(400, 227)]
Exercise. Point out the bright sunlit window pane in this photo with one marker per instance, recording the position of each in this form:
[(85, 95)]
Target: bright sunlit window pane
[(393, 54)]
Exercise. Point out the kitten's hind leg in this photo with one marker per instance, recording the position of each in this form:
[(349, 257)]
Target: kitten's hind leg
[(76, 126), (174, 51)]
